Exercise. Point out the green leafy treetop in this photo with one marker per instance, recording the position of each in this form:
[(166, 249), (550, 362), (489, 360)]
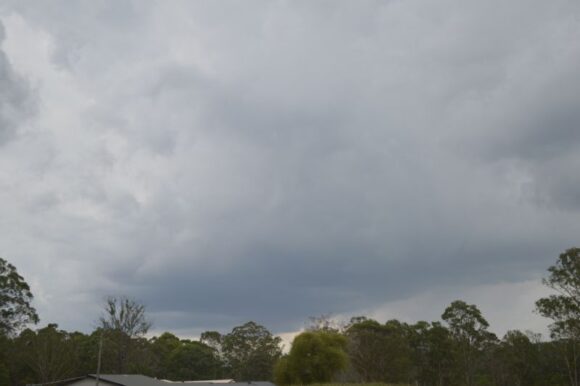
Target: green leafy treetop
[(315, 357), (563, 307), (16, 310), (468, 328), (466, 323), (250, 352)]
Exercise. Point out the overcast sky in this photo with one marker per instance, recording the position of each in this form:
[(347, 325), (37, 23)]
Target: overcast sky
[(226, 161)]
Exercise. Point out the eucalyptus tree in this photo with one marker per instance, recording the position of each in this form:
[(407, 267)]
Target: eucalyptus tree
[(16, 310), (379, 352), (214, 340), (123, 322), (519, 356), (468, 327), (563, 308), (432, 354), (49, 352), (250, 352)]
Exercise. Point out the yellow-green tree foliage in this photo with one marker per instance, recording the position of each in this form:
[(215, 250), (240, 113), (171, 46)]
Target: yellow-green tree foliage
[(315, 356)]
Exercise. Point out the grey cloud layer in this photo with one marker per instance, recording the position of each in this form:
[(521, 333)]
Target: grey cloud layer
[(275, 160), (16, 98)]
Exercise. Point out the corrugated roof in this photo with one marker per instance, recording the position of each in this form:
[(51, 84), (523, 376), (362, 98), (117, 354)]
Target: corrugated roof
[(142, 380), (134, 380), (212, 381)]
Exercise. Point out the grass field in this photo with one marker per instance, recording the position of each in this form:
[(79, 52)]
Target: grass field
[(358, 384)]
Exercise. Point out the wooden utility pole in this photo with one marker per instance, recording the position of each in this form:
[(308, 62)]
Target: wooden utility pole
[(99, 359)]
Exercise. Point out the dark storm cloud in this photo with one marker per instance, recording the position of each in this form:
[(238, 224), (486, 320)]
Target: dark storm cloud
[(16, 99), (543, 136), (341, 279), (282, 160)]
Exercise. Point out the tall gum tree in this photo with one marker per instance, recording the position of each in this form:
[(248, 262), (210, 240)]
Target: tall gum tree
[(250, 352), (469, 330), (16, 310), (563, 308), (124, 321)]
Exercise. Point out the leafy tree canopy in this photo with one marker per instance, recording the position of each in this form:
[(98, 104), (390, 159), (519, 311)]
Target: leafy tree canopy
[(250, 351), (564, 309), (468, 327), (564, 306), (192, 361), (315, 356), (467, 324), (16, 310), (379, 352)]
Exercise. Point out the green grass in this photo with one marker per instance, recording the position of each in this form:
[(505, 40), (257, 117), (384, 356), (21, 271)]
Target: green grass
[(357, 384)]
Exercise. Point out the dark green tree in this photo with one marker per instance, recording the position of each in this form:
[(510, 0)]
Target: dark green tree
[(123, 322), (4, 374), (85, 350), (516, 359), (5, 345), (214, 340), (161, 348), (250, 352), (48, 352), (433, 354), (379, 352), (193, 361), (16, 310), (468, 327), (563, 308), (551, 369)]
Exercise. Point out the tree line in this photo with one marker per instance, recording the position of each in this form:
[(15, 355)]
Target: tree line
[(44, 355), (458, 350)]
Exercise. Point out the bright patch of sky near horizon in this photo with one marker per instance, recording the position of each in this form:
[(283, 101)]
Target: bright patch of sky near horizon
[(274, 160)]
